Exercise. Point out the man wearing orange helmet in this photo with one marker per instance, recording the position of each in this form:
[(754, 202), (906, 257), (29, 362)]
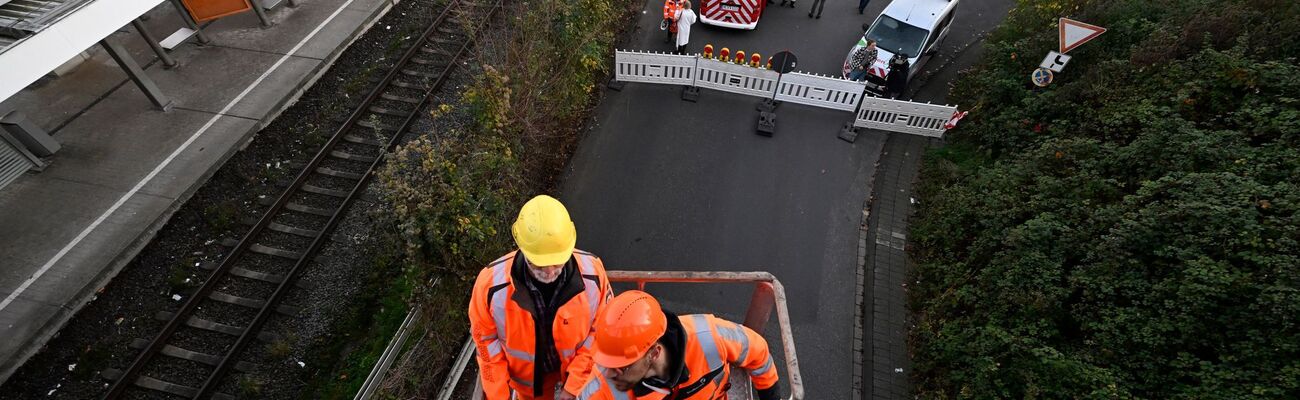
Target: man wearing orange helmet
[(645, 352), (531, 317)]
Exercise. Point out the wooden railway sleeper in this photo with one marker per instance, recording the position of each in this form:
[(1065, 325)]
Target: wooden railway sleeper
[(160, 385), (376, 126), (282, 228), (393, 97), (442, 40), (309, 188), (185, 354), (362, 140), (421, 74), (253, 303), (389, 112), (321, 212), (271, 251), (212, 326), (408, 85), (339, 174), (436, 50), (351, 157), (265, 250), (255, 275)]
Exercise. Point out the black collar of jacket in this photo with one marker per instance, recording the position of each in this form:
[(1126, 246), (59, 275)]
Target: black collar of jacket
[(572, 286), (674, 342)]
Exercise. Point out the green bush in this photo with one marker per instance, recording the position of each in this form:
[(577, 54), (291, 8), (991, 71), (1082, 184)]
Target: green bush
[(455, 195), (1130, 231), (452, 199)]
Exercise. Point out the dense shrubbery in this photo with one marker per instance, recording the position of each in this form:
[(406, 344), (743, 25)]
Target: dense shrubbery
[(1131, 231), (455, 192)]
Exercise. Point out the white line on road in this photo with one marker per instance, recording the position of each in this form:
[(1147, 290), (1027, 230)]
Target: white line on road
[(86, 232)]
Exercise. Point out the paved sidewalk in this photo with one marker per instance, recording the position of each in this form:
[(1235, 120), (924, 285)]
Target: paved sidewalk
[(888, 267), (125, 167)]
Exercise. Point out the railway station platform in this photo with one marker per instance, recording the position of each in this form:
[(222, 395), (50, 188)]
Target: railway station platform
[(126, 166)]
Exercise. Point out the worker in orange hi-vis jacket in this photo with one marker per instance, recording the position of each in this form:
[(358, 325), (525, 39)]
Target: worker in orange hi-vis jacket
[(670, 19), (643, 352), (532, 310)]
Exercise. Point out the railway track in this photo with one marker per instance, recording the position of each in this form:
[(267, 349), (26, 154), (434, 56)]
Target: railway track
[(201, 342)]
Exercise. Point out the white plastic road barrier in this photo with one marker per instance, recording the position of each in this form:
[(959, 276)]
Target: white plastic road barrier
[(796, 87), (740, 79), (820, 91), (673, 69), (903, 116)]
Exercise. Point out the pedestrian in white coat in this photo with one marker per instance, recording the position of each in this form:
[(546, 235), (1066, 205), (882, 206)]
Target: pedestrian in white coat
[(685, 17)]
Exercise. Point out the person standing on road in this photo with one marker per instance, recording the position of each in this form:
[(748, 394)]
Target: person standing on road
[(790, 2), (644, 352), (671, 7), (862, 60), (685, 17), (896, 79), (862, 5), (531, 317), (817, 7)]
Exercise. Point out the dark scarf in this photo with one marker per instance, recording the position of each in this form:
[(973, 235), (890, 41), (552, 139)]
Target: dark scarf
[(546, 300)]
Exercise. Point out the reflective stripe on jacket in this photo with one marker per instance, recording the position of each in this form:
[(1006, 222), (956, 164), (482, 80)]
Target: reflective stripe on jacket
[(503, 327), (712, 345)]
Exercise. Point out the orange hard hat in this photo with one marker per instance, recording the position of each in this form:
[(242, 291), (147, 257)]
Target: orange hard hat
[(626, 329)]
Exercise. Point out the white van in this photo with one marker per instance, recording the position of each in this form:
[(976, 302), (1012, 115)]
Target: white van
[(913, 27)]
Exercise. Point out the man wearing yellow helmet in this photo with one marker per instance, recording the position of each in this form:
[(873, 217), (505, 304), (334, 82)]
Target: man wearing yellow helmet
[(531, 317)]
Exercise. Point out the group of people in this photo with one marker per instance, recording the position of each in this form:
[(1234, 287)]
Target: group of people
[(896, 69), (678, 18), (546, 324)]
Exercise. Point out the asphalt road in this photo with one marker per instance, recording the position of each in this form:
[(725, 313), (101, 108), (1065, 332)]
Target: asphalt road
[(664, 184)]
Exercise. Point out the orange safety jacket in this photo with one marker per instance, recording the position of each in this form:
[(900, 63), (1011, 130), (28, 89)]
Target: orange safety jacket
[(671, 7), (503, 325), (712, 345)]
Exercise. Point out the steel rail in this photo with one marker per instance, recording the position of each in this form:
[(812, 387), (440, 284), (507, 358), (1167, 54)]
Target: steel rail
[(250, 333), (179, 317)]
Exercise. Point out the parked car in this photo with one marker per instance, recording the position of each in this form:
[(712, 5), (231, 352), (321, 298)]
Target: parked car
[(914, 28), (737, 14)]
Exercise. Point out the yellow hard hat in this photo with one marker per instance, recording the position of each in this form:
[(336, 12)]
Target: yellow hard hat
[(544, 232)]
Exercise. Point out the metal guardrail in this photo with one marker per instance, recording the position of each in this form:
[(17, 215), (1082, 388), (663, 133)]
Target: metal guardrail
[(389, 355), (796, 87), (769, 295)]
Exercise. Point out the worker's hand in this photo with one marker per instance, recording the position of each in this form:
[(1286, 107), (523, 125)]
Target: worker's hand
[(564, 395)]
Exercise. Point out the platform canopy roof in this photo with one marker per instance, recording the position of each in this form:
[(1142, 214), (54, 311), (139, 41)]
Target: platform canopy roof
[(36, 36)]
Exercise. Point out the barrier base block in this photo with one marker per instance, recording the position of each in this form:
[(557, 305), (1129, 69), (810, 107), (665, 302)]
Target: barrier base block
[(691, 93), (768, 105), (766, 123), (615, 85), (848, 133)]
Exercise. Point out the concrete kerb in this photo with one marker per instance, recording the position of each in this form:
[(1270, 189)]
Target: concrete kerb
[(859, 331), (88, 293)]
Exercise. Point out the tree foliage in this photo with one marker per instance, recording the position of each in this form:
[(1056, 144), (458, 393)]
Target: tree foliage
[(1131, 231)]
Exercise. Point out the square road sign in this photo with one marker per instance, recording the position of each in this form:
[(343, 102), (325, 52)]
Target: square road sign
[(1055, 61)]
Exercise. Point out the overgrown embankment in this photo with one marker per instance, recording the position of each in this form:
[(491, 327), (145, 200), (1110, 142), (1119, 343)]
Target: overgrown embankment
[(456, 191), (1130, 231)]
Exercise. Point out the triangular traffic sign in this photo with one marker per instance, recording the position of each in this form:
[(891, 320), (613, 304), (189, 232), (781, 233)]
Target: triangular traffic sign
[(1074, 33)]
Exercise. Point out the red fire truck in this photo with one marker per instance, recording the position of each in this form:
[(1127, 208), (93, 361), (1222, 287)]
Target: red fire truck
[(738, 14)]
